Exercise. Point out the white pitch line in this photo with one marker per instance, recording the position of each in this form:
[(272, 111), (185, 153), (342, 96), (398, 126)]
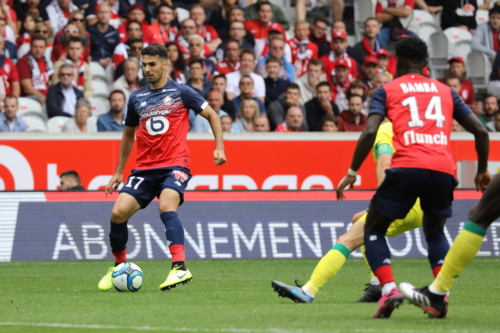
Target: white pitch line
[(148, 328)]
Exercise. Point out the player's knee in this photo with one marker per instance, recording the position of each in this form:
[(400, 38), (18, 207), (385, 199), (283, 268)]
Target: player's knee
[(352, 243), (118, 215)]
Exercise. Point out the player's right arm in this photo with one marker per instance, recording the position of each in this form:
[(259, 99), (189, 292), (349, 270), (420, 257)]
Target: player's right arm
[(464, 115)]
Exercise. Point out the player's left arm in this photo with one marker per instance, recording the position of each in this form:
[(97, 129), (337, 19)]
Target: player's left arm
[(366, 140), (464, 115), (213, 118)]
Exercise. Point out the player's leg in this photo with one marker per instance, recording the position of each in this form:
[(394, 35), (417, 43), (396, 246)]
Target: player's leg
[(326, 269), (124, 207)]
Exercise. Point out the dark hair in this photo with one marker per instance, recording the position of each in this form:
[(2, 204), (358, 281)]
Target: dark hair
[(370, 19), (245, 76), (133, 21), (321, 19), (494, 10), (180, 63), (356, 84), (317, 62), (22, 30), (489, 95), (235, 8), (74, 39), (135, 40), (196, 6), (263, 3), (413, 49), (292, 86), (247, 51), (71, 173), (196, 61), (155, 50), (11, 97), (273, 59), (38, 37), (219, 76), (116, 91), (163, 4), (331, 118), (324, 84), (355, 95), (233, 40)]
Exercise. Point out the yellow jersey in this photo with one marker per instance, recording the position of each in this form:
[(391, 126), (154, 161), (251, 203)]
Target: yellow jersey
[(383, 141)]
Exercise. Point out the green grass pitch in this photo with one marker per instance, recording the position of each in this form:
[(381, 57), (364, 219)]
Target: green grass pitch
[(231, 296)]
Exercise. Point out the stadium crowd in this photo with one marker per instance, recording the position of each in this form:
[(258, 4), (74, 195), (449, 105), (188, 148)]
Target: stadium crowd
[(257, 69)]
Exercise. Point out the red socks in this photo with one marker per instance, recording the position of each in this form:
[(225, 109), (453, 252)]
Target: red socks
[(177, 252), (120, 257)]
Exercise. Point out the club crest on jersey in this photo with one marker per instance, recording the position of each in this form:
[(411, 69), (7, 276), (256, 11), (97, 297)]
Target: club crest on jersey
[(167, 100), (180, 175)]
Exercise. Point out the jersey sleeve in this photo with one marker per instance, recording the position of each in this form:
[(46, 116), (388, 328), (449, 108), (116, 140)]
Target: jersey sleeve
[(132, 119), (460, 109), (378, 102), (192, 100)]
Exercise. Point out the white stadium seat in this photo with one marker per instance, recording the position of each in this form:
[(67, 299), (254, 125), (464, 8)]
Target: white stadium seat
[(35, 124), (182, 14), (363, 9), (100, 89), (99, 106), (56, 124), (28, 104), (482, 16), (478, 70), (426, 24), (99, 73), (438, 54), (458, 42)]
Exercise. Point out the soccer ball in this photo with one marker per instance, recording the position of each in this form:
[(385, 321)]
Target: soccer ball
[(127, 277)]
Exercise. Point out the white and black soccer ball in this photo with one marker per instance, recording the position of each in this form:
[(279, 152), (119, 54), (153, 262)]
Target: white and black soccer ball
[(127, 277)]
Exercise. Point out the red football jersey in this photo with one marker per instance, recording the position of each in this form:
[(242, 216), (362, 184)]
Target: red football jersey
[(9, 74), (208, 33), (467, 91), (256, 28), (422, 111), (329, 67), (225, 67), (303, 51)]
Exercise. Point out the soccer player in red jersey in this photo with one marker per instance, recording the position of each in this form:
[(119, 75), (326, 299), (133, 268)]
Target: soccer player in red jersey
[(158, 114), (422, 111)]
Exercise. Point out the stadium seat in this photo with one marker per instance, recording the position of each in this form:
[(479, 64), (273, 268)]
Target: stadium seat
[(98, 72), (35, 124), (28, 104), (426, 24), (100, 89), (458, 42), (438, 54), (478, 70), (182, 14), (482, 16), (363, 9), (55, 124), (99, 106)]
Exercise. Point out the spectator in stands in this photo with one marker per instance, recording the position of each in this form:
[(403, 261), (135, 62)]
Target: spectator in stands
[(197, 14), (259, 24), (236, 34), (246, 87), (91, 13), (134, 50), (454, 83), (340, 83), (352, 120), (252, 12), (81, 122), (319, 107), (9, 122), (277, 49), (9, 49), (196, 44), (486, 38), (274, 31), (494, 126), (339, 43), (197, 79), (113, 120), (318, 34), (247, 59), (275, 86), (226, 123), (82, 77), (219, 18), (356, 88), (231, 56), (457, 69), (490, 106), (178, 62), (32, 6), (26, 31), (380, 80), (369, 45), (294, 121), (136, 13), (303, 50), (396, 18), (386, 63), (369, 69), (277, 109), (261, 124), (329, 124), (494, 85), (58, 12), (248, 111), (456, 127), (59, 49), (163, 29), (77, 17), (308, 82), (62, 97), (219, 83), (432, 6), (70, 181), (188, 28), (236, 14), (104, 38), (6, 31), (337, 26), (215, 100), (134, 31), (9, 85), (129, 81), (459, 14), (35, 71)]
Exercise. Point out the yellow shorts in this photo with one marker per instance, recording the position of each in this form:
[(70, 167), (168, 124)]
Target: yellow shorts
[(412, 220)]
